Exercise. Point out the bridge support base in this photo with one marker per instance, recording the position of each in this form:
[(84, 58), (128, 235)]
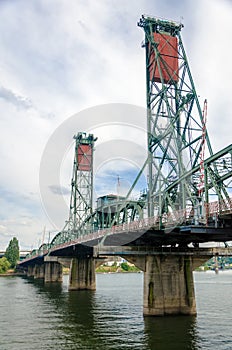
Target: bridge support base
[(169, 285), (53, 272), (82, 274), (39, 271), (30, 271)]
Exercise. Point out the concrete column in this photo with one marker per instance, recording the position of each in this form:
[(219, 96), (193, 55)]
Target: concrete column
[(53, 272), (39, 271), (30, 271), (42, 271), (82, 274), (36, 271), (169, 285)]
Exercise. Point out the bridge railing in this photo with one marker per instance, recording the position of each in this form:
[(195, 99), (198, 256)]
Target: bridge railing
[(170, 220), (219, 207)]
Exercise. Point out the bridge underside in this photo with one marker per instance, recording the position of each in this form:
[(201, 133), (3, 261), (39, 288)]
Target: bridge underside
[(177, 236), (181, 236)]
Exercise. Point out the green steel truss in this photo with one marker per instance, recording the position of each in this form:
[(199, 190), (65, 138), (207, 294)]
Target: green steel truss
[(117, 212), (176, 132), (81, 202)]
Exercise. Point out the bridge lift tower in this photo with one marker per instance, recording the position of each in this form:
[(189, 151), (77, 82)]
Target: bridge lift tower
[(175, 123), (81, 202)]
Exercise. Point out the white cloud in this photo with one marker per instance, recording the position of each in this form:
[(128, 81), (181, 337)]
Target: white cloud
[(209, 56), (57, 59)]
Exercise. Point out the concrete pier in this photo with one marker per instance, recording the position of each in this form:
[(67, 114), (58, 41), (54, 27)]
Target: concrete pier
[(39, 271), (169, 286), (53, 272), (82, 274), (168, 282), (168, 273), (30, 271)]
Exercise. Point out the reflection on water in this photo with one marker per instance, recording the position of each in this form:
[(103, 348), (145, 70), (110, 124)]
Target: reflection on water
[(75, 315), (34, 315), (171, 332)]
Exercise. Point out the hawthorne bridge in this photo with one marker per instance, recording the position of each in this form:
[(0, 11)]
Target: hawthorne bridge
[(163, 231)]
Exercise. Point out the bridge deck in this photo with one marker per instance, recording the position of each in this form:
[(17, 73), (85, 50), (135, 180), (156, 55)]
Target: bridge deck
[(157, 240)]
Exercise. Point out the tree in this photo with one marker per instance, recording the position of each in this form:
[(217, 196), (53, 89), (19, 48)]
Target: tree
[(12, 252), (4, 265), (125, 266)]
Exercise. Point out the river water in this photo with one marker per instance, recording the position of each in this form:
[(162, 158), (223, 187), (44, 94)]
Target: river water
[(38, 316)]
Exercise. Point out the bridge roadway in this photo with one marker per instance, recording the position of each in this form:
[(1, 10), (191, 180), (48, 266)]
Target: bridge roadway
[(162, 254)]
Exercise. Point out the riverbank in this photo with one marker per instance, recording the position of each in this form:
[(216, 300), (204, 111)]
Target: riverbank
[(7, 274), (123, 267)]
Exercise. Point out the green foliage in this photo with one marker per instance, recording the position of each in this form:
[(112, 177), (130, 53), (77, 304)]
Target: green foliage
[(125, 266), (4, 265), (104, 269), (12, 252)]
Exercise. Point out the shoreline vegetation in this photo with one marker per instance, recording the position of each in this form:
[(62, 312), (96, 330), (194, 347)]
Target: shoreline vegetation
[(126, 267), (114, 268), (105, 270), (9, 260)]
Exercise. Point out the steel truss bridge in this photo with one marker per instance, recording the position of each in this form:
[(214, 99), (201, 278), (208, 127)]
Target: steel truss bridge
[(183, 171)]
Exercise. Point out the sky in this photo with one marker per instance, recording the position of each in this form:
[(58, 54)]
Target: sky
[(70, 66)]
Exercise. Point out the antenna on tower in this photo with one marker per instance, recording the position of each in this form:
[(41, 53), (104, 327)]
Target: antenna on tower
[(118, 185)]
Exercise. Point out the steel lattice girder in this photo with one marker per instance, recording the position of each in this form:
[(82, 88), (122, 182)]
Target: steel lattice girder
[(81, 202), (174, 122)]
